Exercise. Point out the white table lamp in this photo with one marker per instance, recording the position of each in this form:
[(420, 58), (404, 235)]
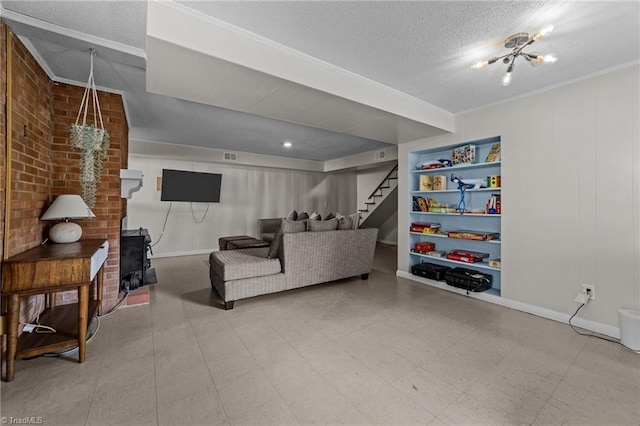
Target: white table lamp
[(67, 207)]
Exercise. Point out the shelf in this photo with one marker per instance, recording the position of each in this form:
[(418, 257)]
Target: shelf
[(458, 167), (456, 190), (457, 239), (492, 294), (64, 319), (477, 265), (456, 214)]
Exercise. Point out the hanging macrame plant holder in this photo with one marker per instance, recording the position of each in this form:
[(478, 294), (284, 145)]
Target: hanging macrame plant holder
[(91, 139)]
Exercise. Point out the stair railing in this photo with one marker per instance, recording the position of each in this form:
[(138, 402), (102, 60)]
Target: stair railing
[(380, 187)]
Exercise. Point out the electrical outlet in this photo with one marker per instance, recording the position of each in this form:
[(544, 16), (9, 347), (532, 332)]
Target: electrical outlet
[(590, 290)]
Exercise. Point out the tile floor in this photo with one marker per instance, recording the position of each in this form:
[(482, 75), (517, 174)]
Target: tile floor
[(384, 351)]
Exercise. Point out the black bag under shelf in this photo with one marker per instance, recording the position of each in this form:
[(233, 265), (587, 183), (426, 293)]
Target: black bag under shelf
[(430, 270), (468, 279)]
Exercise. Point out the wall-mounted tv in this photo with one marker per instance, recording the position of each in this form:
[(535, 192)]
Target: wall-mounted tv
[(180, 185)]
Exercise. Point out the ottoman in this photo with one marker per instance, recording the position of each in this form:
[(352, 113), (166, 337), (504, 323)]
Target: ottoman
[(246, 243), (223, 242)]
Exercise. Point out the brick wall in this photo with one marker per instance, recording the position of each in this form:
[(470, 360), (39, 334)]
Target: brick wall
[(44, 165), (3, 131), (109, 206), (30, 153)]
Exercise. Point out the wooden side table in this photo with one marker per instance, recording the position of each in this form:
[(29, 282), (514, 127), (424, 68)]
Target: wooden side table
[(48, 269)]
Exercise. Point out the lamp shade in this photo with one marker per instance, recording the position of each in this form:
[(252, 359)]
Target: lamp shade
[(68, 207)]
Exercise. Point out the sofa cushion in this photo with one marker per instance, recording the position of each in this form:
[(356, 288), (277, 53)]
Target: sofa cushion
[(303, 215), (329, 216), (327, 225), (293, 215), (238, 264), (348, 222), (286, 227), (355, 220), (315, 216), (344, 222)]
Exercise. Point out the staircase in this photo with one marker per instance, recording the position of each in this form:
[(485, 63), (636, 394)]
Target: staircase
[(382, 202)]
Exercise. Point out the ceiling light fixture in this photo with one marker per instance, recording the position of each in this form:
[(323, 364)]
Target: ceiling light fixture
[(287, 144), (517, 43)]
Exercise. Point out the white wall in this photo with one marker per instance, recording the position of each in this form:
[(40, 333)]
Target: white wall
[(248, 193), (388, 231), (571, 193)]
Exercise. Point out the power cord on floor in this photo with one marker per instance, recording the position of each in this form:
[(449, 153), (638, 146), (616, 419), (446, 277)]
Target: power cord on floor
[(91, 334), (117, 306), (595, 335)]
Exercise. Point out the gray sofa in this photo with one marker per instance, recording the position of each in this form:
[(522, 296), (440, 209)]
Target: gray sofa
[(304, 259)]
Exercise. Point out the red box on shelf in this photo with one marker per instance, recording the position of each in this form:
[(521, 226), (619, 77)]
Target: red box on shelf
[(424, 248), (461, 258)]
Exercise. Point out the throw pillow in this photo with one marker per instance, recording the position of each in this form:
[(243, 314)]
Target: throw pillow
[(344, 222), (303, 215), (286, 227), (355, 220), (293, 215), (315, 216), (292, 226), (326, 225), (329, 216)]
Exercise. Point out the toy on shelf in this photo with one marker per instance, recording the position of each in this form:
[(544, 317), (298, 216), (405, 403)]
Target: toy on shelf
[(463, 186)]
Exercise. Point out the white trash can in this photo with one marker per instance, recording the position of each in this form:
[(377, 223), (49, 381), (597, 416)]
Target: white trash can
[(629, 320)]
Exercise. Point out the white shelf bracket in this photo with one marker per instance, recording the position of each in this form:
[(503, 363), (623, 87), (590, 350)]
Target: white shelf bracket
[(130, 182)]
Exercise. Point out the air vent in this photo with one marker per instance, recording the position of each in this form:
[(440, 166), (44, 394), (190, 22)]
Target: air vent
[(230, 156), (379, 155)]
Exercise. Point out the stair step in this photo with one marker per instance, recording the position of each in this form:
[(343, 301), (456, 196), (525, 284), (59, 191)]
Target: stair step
[(370, 203), (385, 187), (363, 211), (394, 177)]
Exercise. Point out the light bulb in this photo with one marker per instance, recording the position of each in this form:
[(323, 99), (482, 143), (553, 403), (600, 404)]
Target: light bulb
[(506, 80), (480, 64), (543, 32), (550, 59), (536, 60)]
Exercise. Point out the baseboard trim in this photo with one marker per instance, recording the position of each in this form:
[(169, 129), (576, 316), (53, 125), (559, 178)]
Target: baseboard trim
[(182, 253), (594, 326)]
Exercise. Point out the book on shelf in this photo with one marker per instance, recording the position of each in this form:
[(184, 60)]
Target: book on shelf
[(494, 154), (423, 248), (426, 183), (473, 235), (424, 227), (494, 205), (461, 258), (464, 154), (470, 253), (420, 204)]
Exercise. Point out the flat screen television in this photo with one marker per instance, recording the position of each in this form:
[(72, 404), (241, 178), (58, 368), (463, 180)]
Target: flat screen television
[(180, 185)]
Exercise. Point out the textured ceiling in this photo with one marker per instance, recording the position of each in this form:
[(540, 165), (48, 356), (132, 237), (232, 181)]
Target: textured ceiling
[(424, 49)]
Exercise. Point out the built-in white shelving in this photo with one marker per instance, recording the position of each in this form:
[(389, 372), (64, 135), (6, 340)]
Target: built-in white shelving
[(475, 200)]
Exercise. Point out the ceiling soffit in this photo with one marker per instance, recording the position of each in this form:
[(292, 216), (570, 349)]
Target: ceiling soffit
[(201, 59)]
